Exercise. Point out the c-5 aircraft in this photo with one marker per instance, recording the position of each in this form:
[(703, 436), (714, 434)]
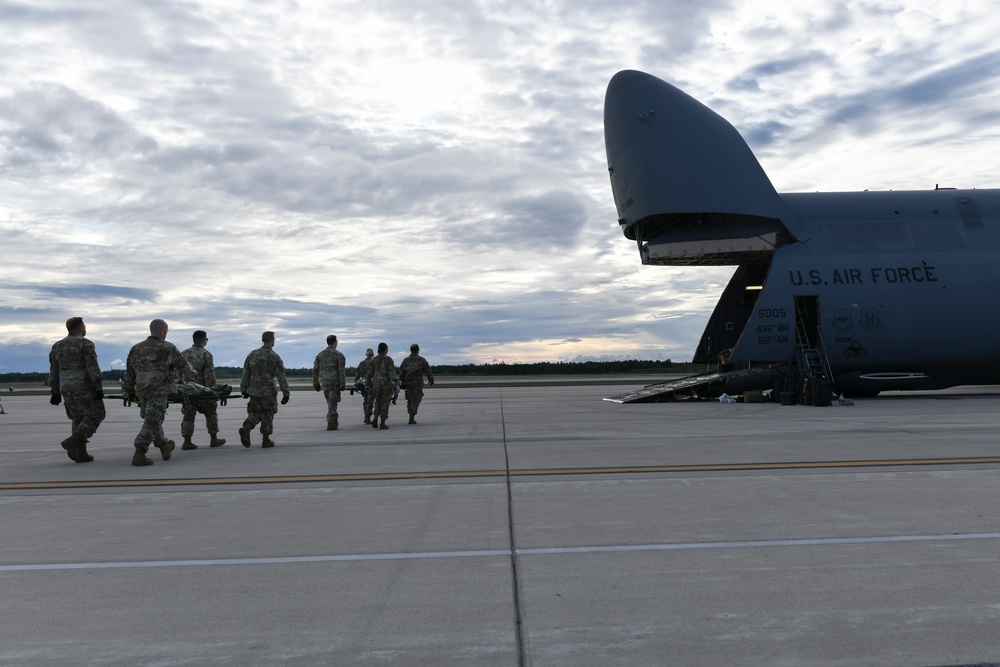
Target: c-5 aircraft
[(855, 292)]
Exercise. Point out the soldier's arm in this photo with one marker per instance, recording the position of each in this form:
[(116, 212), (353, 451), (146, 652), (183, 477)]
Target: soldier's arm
[(280, 372), (185, 372), (210, 370), (316, 384), (53, 380), (427, 372), (128, 381), (93, 368), (245, 380)]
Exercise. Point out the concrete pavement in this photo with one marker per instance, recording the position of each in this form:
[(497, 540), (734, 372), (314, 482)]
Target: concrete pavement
[(529, 525)]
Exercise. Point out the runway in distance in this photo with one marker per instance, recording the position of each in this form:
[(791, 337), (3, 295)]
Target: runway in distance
[(854, 292)]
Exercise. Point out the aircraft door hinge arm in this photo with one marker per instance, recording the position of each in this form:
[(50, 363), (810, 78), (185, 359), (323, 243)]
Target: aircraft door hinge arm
[(643, 253)]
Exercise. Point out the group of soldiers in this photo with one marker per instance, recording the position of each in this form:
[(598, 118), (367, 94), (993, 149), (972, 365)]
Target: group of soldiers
[(155, 366), (376, 379)]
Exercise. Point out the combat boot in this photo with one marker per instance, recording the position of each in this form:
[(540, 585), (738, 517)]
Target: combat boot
[(216, 441), (165, 448), (188, 444), (368, 419), (330, 426), (140, 458), (382, 425), (267, 442), (412, 420), (245, 434), (82, 453), (72, 447), (374, 422)]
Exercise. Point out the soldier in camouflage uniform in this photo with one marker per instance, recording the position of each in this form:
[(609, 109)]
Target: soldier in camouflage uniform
[(204, 374), (411, 376), (328, 377), (381, 380), (260, 370), (152, 368), (361, 374), (75, 379)]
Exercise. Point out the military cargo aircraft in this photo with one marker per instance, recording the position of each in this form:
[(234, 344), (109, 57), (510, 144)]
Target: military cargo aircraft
[(853, 293)]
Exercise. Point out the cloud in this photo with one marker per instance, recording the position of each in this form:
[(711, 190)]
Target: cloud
[(49, 129), (71, 293), (428, 171)]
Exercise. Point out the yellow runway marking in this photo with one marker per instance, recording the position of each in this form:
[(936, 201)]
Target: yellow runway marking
[(462, 474)]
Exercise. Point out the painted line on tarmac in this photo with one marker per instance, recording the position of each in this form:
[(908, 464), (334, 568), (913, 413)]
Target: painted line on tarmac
[(748, 544), (282, 560), (460, 474), (497, 553)]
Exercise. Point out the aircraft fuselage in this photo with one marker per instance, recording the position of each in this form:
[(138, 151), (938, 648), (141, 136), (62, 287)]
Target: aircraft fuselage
[(893, 290), (903, 287)]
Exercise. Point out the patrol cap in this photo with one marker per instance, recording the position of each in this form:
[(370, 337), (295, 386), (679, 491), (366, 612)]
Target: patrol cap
[(267, 335), (199, 335)]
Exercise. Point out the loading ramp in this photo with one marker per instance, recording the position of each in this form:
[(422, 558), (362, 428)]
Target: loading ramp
[(707, 385)]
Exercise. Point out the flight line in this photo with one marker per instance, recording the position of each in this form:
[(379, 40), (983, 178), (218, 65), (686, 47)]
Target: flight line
[(460, 474), (536, 520), (493, 553)]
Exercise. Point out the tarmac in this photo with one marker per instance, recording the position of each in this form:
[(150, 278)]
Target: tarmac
[(513, 525)]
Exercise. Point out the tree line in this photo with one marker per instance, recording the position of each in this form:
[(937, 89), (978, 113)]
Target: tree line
[(623, 366)]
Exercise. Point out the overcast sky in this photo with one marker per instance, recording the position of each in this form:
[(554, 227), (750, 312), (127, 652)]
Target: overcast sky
[(429, 171)]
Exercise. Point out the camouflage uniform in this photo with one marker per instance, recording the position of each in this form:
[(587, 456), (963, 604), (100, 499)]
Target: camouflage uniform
[(362, 374), (260, 370), (411, 374), (204, 374), (381, 380), (150, 375), (328, 375), (75, 375)]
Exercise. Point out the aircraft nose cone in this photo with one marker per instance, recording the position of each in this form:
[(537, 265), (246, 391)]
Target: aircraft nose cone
[(633, 102), (624, 79), (669, 153)]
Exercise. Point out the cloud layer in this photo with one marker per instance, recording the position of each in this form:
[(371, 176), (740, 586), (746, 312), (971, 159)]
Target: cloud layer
[(428, 171)]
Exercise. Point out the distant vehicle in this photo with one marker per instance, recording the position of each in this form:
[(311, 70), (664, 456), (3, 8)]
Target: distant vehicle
[(856, 293)]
